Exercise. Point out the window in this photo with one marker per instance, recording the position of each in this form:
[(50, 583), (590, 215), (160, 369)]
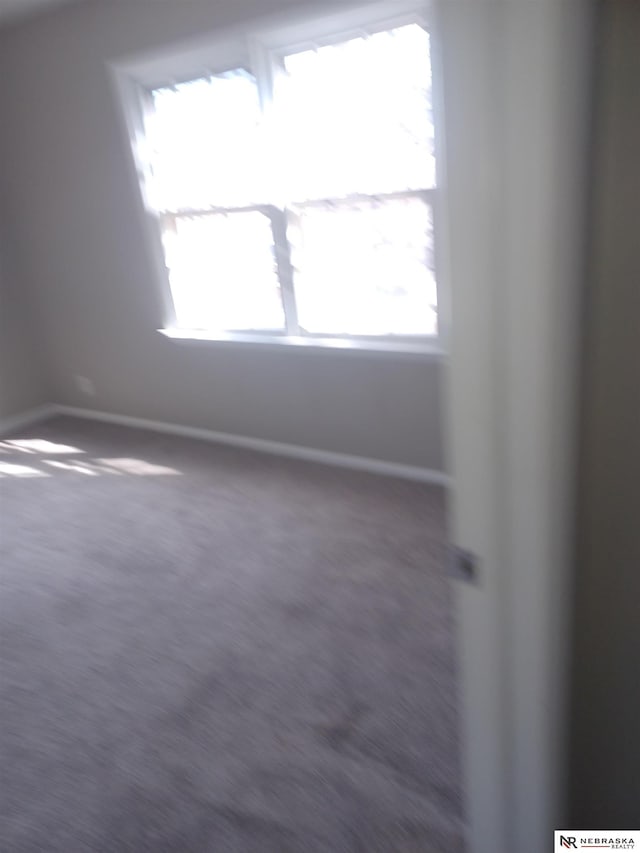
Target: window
[(294, 189)]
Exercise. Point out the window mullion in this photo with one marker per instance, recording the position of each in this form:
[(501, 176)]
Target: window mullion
[(265, 71), (278, 220)]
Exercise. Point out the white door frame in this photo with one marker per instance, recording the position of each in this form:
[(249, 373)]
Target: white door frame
[(515, 77)]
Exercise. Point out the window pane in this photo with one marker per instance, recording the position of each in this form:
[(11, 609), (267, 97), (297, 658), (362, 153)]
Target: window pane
[(222, 271), (357, 116), (365, 268), (204, 144)]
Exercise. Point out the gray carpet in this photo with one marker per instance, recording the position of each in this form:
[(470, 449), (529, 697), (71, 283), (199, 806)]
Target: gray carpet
[(208, 649)]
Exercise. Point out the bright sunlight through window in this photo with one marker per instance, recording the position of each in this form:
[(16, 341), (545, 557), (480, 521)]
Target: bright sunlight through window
[(298, 201)]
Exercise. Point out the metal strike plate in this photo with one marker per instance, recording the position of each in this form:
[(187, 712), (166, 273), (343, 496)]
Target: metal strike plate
[(463, 565)]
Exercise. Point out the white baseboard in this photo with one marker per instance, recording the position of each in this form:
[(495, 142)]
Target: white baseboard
[(277, 448), (27, 418)]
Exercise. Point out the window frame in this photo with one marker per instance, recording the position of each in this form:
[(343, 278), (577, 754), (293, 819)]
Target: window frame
[(261, 47)]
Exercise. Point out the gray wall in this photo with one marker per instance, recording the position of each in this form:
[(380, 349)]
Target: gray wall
[(22, 383), (81, 254), (606, 692)]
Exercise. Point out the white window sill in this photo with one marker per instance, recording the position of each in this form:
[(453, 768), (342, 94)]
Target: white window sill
[(424, 347)]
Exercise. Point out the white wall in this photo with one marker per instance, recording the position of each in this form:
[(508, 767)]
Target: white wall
[(80, 250), (22, 380)]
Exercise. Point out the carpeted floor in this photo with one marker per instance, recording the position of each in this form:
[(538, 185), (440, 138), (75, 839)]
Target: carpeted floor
[(206, 649)]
